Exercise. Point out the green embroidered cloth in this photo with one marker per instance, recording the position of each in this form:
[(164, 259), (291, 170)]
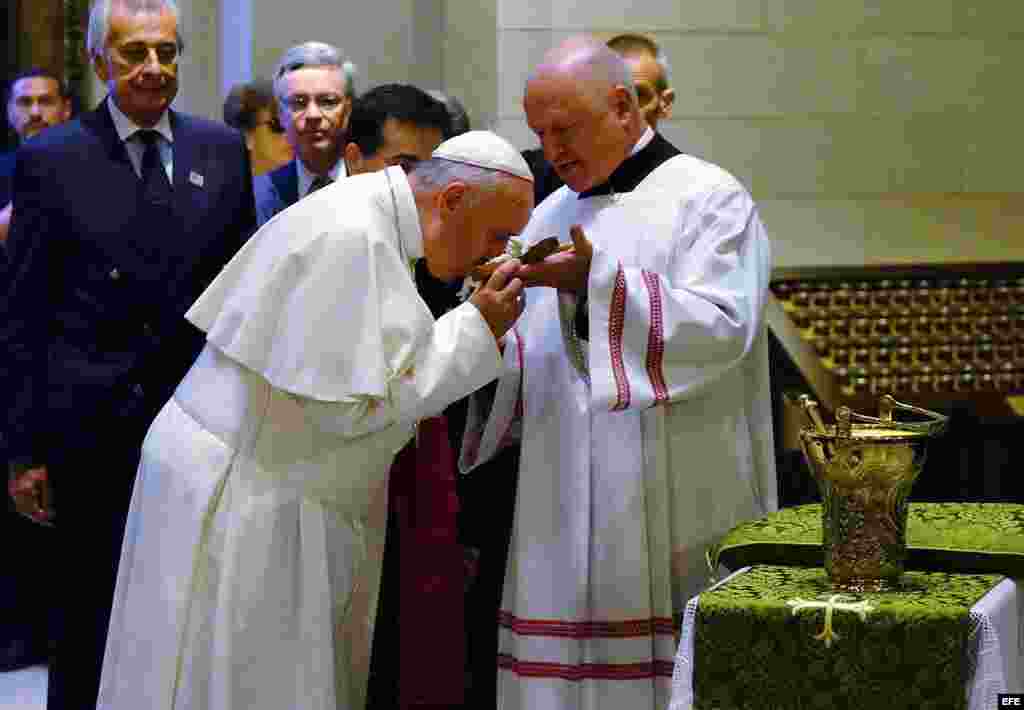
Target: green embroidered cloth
[(913, 651), (951, 537)]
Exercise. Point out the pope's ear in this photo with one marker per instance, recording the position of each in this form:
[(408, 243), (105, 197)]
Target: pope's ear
[(452, 196)]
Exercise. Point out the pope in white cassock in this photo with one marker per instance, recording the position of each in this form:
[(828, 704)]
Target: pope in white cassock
[(252, 552), (639, 389)]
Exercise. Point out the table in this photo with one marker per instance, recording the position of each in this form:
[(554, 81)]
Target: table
[(998, 618)]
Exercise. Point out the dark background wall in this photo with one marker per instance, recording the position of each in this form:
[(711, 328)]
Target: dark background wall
[(9, 34)]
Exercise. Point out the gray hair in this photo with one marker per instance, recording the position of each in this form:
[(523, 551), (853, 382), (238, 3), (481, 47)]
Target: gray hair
[(99, 20), (436, 173), (313, 54)]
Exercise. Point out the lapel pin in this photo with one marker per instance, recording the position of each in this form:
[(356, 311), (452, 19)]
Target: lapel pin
[(195, 178)]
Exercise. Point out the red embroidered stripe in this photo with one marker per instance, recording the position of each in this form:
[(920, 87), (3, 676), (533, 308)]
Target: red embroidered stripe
[(586, 629), (656, 339), (616, 322), (586, 671)]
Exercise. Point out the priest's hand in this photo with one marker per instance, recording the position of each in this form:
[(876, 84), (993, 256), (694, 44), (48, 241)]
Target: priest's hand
[(564, 270), (499, 300)]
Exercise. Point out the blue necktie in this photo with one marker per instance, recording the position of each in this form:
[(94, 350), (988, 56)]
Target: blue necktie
[(155, 185)]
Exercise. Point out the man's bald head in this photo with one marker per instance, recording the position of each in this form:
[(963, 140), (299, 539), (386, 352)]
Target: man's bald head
[(589, 62), (581, 104)]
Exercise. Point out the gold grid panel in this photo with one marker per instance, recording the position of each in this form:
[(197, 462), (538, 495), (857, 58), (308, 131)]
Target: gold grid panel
[(913, 333)]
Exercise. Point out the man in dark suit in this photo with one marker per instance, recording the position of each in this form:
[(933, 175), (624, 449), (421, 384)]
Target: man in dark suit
[(36, 99), (314, 86), (121, 219)]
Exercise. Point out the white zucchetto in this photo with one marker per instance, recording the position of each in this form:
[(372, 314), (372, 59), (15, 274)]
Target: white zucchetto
[(484, 150)]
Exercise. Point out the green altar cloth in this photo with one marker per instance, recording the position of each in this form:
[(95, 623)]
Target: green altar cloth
[(951, 537), (912, 651)]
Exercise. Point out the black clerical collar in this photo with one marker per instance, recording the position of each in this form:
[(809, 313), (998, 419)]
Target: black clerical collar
[(635, 168)]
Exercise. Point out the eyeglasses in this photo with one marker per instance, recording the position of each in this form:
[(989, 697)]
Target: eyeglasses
[(138, 53), (299, 103), (46, 101)]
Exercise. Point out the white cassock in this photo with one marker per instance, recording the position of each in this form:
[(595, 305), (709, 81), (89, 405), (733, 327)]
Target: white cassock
[(626, 480), (252, 554)]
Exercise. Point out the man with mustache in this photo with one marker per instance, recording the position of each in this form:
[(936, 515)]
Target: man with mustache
[(314, 86)]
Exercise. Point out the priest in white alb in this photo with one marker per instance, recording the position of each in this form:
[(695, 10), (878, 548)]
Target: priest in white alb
[(252, 553), (637, 382)]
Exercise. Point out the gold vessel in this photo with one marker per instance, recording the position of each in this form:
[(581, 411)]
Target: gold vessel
[(865, 467)]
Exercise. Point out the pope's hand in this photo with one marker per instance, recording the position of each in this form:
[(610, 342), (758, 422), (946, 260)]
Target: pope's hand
[(499, 299), (565, 270)]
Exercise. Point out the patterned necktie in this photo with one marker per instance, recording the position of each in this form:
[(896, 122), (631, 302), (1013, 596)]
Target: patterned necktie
[(155, 185), (318, 182)]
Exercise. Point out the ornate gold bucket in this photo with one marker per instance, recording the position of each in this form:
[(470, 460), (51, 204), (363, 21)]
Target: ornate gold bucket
[(865, 467)]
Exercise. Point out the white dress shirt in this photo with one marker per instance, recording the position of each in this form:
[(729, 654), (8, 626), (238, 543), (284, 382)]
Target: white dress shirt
[(306, 177), (127, 131)]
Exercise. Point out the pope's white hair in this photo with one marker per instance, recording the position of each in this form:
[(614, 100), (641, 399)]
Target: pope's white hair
[(313, 54), (99, 20), (437, 173)]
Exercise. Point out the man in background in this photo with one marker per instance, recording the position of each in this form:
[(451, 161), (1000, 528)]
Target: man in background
[(413, 665), (37, 99), (393, 124), (251, 108), (651, 73), (460, 122), (121, 219), (314, 87)]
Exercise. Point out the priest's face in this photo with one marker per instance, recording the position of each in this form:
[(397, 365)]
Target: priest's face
[(585, 130), (474, 223)]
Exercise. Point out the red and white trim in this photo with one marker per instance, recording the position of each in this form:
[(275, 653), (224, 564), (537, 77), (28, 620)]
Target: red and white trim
[(616, 323), (656, 339), (628, 628), (586, 671)]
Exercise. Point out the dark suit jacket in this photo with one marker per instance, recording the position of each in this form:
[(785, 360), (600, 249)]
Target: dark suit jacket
[(91, 326), (275, 191), (6, 173)]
